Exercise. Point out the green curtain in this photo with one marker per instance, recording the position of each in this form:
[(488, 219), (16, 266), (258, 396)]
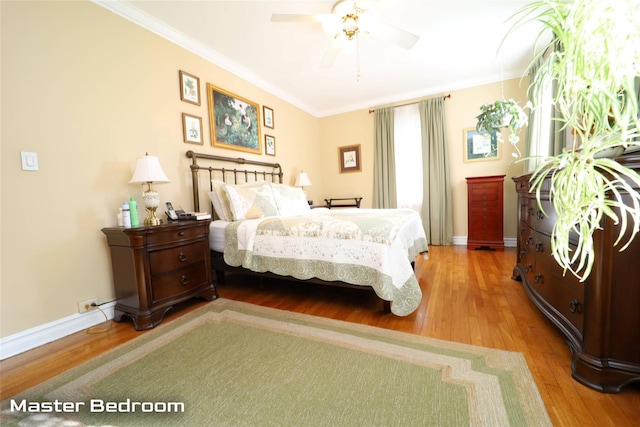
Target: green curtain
[(437, 210), (384, 173)]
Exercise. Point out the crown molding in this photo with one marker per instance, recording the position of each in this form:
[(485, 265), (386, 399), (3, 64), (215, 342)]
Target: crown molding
[(131, 13)]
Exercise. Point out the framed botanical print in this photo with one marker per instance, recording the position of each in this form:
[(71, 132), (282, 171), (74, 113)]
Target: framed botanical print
[(349, 158), (234, 121), (189, 88), (270, 145), (192, 128), (480, 146), (268, 116)]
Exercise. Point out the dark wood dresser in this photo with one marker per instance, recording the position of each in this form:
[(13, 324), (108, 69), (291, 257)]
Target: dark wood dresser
[(600, 317), (155, 267), (485, 212)]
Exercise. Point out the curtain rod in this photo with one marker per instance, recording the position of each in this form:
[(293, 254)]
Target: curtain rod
[(402, 105)]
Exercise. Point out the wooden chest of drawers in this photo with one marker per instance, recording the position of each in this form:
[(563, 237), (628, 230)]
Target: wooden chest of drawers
[(485, 212), (600, 316), (155, 267)]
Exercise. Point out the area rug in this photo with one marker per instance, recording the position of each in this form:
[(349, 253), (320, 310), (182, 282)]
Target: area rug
[(236, 364)]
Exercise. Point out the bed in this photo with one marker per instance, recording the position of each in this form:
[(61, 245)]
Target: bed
[(262, 226)]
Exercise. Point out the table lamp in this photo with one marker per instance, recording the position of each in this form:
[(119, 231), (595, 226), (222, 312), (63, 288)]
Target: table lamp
[(148, 171), (302, 180)]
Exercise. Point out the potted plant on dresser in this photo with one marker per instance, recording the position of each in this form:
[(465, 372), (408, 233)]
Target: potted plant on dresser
[(579, 211)]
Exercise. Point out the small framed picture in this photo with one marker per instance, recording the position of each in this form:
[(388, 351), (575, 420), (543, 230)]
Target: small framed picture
[(480, 146), (350, 158), (270, 145), (268, 116), (189, 88), (192, 129)]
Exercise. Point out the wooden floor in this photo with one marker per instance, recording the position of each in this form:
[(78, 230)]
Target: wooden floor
[(468, 297)]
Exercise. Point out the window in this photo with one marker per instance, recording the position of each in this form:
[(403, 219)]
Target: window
[(408, 156), (541, 127)]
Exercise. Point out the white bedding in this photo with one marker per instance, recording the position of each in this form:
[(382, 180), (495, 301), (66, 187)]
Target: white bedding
[(216, 235), (368, 247)]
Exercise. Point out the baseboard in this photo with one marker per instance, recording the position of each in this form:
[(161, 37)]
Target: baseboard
[(509, 242), (43, 334), (460, 240)]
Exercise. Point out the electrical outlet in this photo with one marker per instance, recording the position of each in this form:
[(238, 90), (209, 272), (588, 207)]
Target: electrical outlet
[(86, 304)]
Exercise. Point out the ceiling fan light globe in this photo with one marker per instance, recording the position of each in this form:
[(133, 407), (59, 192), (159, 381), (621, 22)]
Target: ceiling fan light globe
[(341, 40), (350, 25), (349, 44)]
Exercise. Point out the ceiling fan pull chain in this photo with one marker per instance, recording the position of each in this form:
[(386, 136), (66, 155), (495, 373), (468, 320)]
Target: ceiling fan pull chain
[(358, 56)]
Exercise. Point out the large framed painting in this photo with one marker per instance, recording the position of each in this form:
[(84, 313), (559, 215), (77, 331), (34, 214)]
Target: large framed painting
[(234, 121), (480, 146)]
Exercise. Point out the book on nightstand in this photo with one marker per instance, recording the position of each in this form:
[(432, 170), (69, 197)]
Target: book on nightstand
[(193, 216)]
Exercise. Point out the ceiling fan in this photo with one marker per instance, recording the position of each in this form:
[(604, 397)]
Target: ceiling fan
[(346, 22)]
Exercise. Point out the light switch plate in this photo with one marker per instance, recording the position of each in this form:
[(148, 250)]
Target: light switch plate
[(29, 161)]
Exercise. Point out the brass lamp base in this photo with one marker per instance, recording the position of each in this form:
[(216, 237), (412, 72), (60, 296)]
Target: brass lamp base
[(151, 218)]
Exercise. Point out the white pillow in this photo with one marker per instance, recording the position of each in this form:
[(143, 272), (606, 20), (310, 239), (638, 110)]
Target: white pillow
[(251, 202), (246, 201), (219, 200), (290, 200)]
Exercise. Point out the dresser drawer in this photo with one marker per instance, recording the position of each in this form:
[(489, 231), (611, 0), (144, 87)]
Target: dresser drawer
[(173, 284), (171, 259), (485, 208), (174, 235), (482, 194), (534, 216), (564, 292)]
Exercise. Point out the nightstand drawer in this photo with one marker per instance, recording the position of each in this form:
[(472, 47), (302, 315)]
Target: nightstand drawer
[(173, 235), (171, 259), (177, 282)]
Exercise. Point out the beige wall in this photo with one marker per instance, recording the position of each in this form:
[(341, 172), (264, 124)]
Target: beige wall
[(90, 92)]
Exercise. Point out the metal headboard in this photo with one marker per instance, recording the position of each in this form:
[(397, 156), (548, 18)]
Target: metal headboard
[(232, 175)]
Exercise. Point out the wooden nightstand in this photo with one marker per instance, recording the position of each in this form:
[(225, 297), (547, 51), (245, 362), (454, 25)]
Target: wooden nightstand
[(155, 267)]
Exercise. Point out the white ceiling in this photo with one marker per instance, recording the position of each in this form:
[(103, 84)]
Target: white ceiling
[(458, 47)]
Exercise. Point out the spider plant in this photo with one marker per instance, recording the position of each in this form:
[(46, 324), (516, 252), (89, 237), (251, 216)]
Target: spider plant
[(594, 59), (502, 114)]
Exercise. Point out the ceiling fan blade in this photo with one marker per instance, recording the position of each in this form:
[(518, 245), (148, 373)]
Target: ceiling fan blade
[(396, 36), (331, 54), (294, 17)]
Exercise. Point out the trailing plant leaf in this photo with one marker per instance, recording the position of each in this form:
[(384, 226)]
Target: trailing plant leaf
[(502, 114), (593, 57)]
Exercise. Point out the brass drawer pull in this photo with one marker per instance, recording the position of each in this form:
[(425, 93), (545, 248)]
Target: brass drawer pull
[(182, 257), (181, 234), (184, 280), (539, 247), (539, 215), (539, 278)]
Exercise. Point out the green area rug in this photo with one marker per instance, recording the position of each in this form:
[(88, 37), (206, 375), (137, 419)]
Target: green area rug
[(232, 363)]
